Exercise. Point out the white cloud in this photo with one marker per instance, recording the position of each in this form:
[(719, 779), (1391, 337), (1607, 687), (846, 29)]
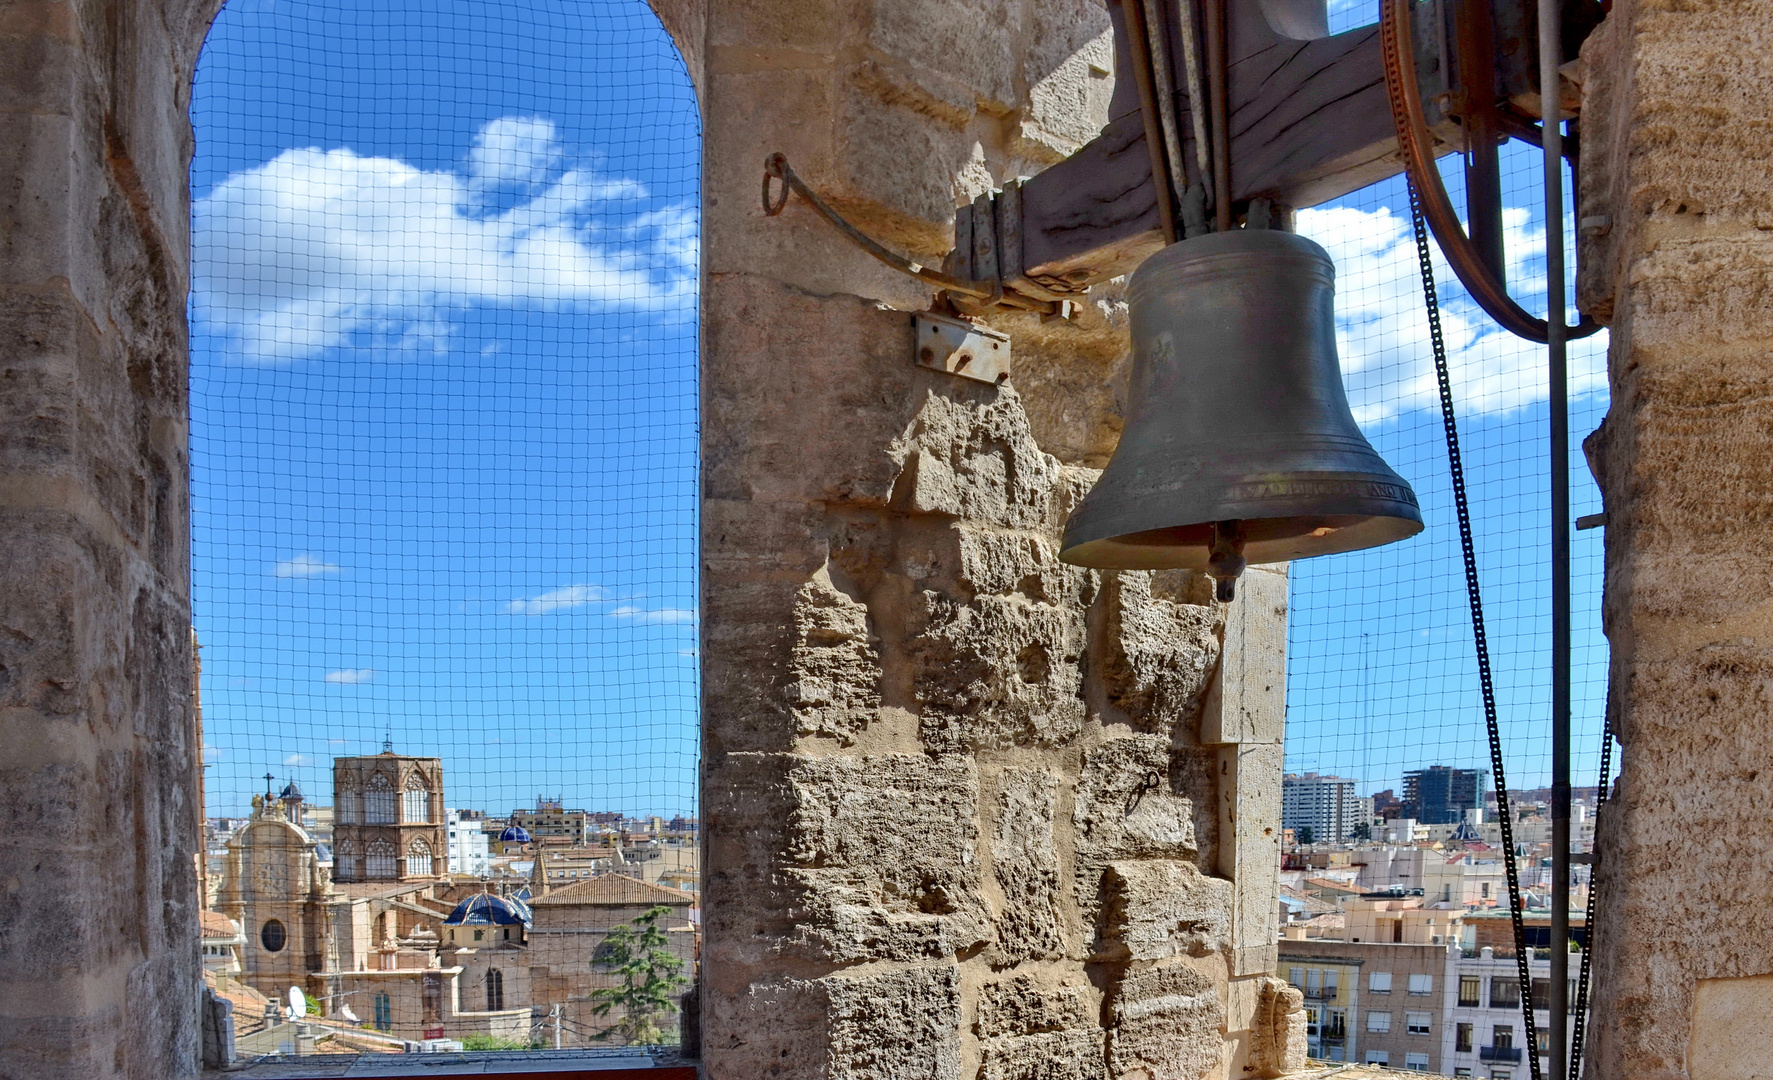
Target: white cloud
[(1382, 326), (657, 615), (318, 249), (513, 151), (303, 566), (295, 759), (570, 597), (351, 676)]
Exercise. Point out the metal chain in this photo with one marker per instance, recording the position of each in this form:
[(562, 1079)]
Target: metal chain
[(1580, 1025), (1457, 467)]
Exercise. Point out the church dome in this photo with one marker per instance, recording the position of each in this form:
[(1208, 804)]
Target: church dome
[(514, 834), (485, 909), (291, 793)]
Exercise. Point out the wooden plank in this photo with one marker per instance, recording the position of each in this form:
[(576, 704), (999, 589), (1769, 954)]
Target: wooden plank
[(1309, 119)]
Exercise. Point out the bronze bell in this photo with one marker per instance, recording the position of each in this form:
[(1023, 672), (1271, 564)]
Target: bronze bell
[(1239, 445)]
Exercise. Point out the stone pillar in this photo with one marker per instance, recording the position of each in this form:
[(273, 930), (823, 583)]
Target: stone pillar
[(97, 792), (960, 816), (1677, 258)]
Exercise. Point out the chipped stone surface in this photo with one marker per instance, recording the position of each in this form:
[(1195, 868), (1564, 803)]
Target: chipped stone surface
[(1163, 1024), (836, 662), (1160, 646), (1278, 1043), (882, 850)]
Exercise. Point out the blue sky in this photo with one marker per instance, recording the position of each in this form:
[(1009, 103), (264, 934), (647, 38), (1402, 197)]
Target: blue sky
[(444, 424), (444, 398)]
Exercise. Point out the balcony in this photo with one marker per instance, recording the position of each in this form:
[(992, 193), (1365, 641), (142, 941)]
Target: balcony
[(1499, 1053)]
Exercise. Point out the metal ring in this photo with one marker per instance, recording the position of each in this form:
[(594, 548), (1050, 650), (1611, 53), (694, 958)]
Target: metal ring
[(774, 168)]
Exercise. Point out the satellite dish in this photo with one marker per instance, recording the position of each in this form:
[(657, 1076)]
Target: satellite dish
[(298, 1002)]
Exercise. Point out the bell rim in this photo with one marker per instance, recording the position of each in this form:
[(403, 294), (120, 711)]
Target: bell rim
[(1360, 532)]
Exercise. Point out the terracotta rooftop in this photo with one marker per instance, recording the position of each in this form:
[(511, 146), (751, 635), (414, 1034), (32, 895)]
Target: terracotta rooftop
[(614, 890), (216, 925)]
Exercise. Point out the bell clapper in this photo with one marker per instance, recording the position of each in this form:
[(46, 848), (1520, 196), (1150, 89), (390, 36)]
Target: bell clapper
[(1226, 563)]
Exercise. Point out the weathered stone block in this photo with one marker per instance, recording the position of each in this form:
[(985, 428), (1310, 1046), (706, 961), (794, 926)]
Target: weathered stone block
[(889, 1025), (1153, 910), (1025, 862), (1034, 1030), (1137, 798), (1159, 647), (882, 852), (997, 671), (1278, 1043), (1164, 1024), (836, 662)]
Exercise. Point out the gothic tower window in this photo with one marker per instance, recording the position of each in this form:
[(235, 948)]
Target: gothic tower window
[(378, 801), (379, 863), (418, 800), (495, 990), (272, 936), (346, 860), (418, 859)]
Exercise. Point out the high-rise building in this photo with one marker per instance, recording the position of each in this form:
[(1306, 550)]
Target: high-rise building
[(388, 818), (1324, 804), (469, 852), (1440, 795)]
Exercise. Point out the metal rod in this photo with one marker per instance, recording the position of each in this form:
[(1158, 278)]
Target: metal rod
[(776, 167), (1138, 46), (1551, 112), (1221, 127), (1197, 96), (1163, 81)]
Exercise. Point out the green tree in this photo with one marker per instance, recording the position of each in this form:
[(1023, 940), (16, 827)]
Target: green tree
[(1305, 835), (1363, 831), (640, 955)]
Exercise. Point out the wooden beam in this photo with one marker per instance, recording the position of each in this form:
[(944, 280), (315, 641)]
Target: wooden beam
[(1309, 122)]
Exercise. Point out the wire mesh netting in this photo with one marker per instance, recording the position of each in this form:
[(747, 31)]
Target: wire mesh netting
[(444, 439), (1382, 677)]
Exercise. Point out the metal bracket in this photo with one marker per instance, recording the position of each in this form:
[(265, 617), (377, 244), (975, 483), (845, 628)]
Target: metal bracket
[(961, 348)]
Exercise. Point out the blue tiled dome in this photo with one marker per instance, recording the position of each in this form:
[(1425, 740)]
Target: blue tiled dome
[(514, 834), (485, 909), (291, 793)]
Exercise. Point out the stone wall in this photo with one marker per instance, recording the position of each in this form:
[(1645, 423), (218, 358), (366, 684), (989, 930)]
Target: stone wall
[(1677, 256), (98, 822), (969, 811)]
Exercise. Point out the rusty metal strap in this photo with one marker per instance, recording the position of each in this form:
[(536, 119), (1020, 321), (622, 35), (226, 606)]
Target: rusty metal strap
[(1437, 208), (776, 168)]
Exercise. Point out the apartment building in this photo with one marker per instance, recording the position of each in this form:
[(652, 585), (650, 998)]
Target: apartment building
[(1484, 1035), (1326, 805), (1378, 995)]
